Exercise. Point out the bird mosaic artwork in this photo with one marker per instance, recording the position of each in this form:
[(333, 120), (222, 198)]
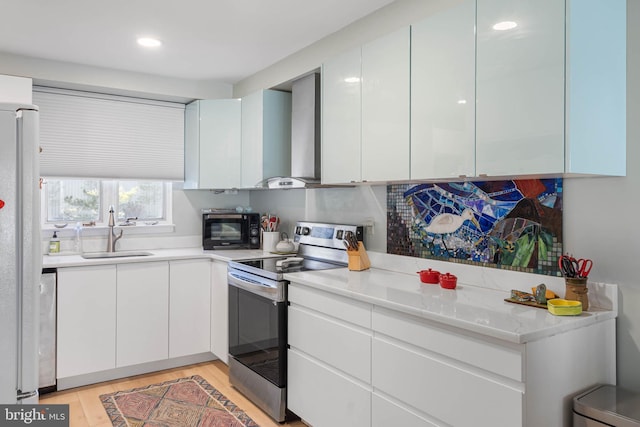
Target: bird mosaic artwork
[(448, 223), (515, 224)]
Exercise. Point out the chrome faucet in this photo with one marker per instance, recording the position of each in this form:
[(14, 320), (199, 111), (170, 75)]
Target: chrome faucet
[(111, 238)]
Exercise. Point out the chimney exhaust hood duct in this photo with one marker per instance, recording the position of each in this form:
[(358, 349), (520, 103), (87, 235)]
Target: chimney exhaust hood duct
[(305, 136)]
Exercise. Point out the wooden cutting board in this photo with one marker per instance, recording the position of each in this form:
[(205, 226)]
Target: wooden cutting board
[(529, 303)]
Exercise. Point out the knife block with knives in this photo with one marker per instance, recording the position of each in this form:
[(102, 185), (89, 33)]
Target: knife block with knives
[(358, 258)]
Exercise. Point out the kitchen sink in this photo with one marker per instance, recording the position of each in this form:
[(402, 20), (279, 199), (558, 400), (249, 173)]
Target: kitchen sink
[(93, 255)]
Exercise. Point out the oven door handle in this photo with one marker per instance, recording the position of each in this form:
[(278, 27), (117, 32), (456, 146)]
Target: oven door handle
[(274, 294)]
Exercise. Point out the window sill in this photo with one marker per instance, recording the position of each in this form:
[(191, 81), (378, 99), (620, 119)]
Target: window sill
[(102, 230)]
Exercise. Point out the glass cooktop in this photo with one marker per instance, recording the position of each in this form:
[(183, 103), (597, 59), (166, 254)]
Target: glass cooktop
[(275, 268), (289, 264)]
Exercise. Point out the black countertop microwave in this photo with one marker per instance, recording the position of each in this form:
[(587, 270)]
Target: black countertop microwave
[(230, 230)]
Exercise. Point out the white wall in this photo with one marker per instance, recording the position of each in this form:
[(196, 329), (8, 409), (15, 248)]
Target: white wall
[(601, 220), (115, 82), (354, 205), (600, 214)]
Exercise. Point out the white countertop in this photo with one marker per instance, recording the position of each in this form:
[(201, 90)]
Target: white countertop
[(478, 309), (75, 260), (468, 307)]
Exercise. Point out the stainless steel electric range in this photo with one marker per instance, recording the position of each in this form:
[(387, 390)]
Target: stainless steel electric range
[(258, 311)]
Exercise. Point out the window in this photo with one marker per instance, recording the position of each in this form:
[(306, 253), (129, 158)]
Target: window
[(88, 200), (72, 200), (141, 199)]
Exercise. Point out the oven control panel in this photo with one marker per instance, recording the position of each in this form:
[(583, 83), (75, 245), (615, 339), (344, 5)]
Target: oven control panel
[(326, 235)]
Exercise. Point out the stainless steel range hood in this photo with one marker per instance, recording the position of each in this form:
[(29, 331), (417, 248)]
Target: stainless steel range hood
[(305, 136)]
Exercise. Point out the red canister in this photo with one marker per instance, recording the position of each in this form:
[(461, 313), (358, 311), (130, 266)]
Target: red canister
[(429, 276), (448, 281)]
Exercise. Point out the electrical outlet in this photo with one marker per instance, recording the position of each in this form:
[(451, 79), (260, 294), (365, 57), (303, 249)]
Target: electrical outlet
[(368, 226)]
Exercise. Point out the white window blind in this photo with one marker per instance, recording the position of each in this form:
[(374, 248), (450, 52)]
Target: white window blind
[(86, 135)]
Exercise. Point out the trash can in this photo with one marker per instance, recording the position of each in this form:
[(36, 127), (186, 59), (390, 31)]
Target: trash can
[(606, 405)]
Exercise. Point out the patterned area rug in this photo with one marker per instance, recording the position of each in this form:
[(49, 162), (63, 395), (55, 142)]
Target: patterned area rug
[(185, 402)]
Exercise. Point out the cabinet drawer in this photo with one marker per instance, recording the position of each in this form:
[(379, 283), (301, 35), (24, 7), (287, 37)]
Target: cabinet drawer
[(456, 396), (505, 360), (334, 343), (385, 413), (323, 397), (356, 312)]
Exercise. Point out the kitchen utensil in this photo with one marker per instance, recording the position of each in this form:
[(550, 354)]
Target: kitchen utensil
[(563, 307), (352, 241), (358, 258), (269, 240), (572, 267), (576, 290), (284, 245), (568, 265), (448, 281), (429, 276), (584, 267)]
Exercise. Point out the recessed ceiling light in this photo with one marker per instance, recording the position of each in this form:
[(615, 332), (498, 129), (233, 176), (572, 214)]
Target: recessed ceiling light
[(352, 80), (462, 101), (149, 42), (505, 25)]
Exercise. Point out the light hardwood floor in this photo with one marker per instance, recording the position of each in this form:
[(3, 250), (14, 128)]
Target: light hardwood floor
[(85, 408)]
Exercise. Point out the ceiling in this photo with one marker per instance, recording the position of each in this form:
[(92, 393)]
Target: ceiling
[(221, 40)]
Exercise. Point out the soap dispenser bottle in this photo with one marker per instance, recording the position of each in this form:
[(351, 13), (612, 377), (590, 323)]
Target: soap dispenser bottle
[(54, 244)]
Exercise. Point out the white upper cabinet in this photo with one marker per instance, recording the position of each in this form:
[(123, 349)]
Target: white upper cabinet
[(212, 144), (16, 90), (520, 87), (385, 107), (266, 136), (596, 84), (488, 88), (443, 94), (551, 87), (365, 112), (341, 99)]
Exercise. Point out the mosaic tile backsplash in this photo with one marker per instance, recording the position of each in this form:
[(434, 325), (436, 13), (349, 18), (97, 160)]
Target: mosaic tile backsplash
[(515, 225)]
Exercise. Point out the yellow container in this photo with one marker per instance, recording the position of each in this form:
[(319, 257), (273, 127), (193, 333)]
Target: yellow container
[(563, 307)]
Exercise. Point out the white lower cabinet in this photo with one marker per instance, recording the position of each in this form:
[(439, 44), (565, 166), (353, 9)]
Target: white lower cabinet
[(441, 387), (86, 320), (142, 313), (356, 364), (442, 376), (329, 362), (189, 307), (131, 314), (323, 396), (219, 311), (385, 413)]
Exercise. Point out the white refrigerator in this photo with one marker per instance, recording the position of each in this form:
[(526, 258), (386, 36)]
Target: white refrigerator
[(20, 253)]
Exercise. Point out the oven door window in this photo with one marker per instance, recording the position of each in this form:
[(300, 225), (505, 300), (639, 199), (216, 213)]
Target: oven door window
[(257, 334)]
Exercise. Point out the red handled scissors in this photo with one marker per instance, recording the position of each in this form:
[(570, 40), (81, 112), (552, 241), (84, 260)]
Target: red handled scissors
[(571, 267), (584, 267)]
